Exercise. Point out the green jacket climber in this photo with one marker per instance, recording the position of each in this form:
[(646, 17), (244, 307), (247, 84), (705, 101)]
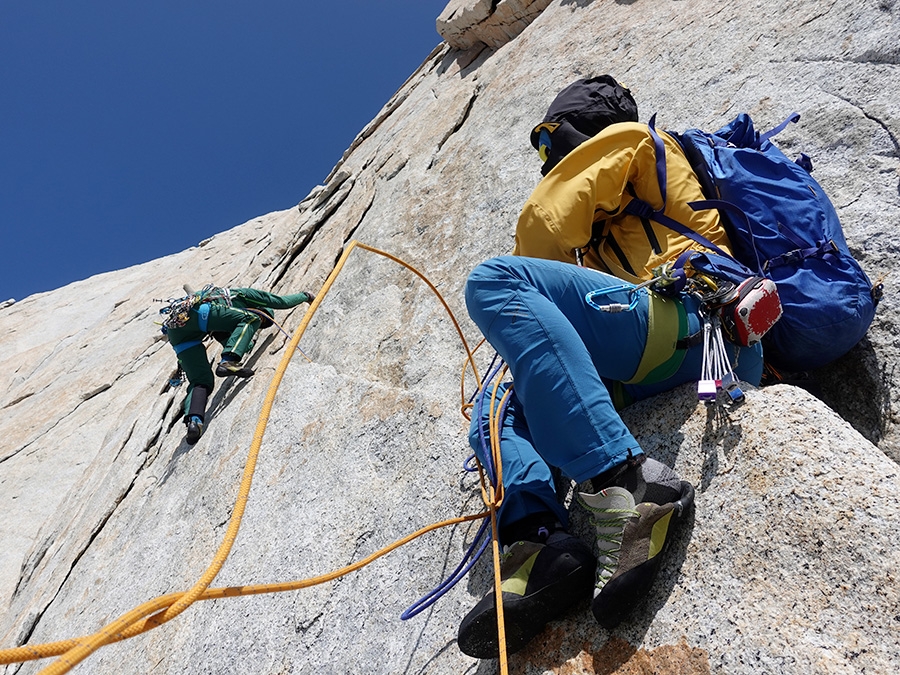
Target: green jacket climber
[(231, 317)]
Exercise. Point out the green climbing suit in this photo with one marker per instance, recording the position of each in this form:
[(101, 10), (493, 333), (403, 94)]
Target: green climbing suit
[(232, 326)]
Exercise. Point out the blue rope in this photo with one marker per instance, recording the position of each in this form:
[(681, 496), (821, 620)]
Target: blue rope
[(492, 371), (483, 439), (482, 537), (468, 561)]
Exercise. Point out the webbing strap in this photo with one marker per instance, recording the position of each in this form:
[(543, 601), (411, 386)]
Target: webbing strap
[(182, 346), (660, 152), (793, 117), (696, 237), (666, 323), (794, 257), (638, 207), (734, 210), (203, 315)]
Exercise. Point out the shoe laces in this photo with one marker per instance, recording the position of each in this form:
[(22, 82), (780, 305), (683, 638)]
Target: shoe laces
[(609, 524)]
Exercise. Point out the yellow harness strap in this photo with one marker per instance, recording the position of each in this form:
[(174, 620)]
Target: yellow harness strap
[(666, 323)]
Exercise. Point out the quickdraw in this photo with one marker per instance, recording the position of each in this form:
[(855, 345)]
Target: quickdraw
[(717, 371)]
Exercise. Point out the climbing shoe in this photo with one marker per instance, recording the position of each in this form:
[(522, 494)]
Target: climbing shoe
[(539, 581), (194, 429), (232, 369), (633, 517)]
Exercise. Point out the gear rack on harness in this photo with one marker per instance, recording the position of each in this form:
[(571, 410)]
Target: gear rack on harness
[(743, 310), (178, 310)]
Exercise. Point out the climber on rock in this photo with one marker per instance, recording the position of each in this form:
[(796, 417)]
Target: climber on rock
[(229, 315), (574, 363)]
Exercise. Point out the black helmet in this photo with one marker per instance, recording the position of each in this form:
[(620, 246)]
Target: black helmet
[(579, 112)]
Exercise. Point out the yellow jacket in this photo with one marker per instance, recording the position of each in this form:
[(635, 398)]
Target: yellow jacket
[(579, 203)]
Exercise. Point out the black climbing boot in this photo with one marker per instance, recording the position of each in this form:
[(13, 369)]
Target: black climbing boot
[(233, 369), (539, 581), (194, 429)]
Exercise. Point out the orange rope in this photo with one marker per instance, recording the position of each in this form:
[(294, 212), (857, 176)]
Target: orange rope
[(493, 498), (496, 500), (30, 653), (156, 612), (110, 632)]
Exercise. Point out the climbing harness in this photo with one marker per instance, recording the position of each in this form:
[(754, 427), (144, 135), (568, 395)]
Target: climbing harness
[(666, 281), (744, 312), (178, 310)]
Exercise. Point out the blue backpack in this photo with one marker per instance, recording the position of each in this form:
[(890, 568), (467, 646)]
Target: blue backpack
[(782, 226)]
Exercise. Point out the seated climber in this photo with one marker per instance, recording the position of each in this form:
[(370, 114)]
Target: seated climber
[(565, 357), (573, 364), (232, 317)]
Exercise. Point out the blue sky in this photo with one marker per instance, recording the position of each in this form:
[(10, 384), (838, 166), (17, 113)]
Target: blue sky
[(132, 130)]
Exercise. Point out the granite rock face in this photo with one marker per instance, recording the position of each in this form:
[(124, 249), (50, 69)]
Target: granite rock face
[(789, 561), (467, 23)]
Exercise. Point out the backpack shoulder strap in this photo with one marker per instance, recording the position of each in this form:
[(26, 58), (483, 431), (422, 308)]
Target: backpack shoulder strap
[(640, 208)]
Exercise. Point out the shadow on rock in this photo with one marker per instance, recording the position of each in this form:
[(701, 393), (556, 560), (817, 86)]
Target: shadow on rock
[(858, 388)]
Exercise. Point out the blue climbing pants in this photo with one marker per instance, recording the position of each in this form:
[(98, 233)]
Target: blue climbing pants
[(563, 355)]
